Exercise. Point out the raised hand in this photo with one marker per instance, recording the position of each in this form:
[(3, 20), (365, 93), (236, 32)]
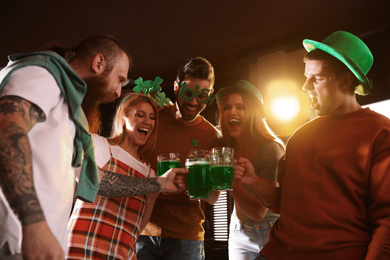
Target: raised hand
[(244, 172), (173, 180)]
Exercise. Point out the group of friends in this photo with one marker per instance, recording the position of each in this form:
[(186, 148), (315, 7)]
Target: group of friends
[(324, 195)]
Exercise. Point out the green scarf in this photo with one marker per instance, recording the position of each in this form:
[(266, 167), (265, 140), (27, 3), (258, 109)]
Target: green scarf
[(73, 88)]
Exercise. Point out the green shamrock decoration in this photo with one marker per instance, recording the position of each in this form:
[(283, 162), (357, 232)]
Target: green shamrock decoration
[(152, 89), (194, 143)]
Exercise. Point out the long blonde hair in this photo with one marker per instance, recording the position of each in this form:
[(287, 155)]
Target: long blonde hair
[(126, 105), (256, 125)]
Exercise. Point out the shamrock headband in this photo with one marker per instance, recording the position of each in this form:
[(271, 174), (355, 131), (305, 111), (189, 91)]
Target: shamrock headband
[(152, 89), (124, 101)]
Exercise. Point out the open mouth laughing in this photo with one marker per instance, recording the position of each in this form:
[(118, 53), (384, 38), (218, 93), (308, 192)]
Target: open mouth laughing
[(143, 131), (234, 122)]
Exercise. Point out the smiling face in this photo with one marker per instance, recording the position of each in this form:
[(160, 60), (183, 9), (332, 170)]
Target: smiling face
[(324, 89), (190, 109), (234, 115), (139, 123)]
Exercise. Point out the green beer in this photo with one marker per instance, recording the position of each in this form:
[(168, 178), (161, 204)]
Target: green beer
[(221, 177), (198, 179), (222, 171), (165, 161), (164, 166)]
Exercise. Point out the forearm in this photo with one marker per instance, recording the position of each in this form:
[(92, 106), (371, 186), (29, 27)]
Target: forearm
[(379, 219), (114, 185), (250, 204), (266, 193), (17, 117), (377, 254), (17, 183)]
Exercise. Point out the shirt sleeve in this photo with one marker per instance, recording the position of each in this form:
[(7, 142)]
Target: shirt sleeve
[(379, 208), (102, 151), (266, 161), (36, 85)]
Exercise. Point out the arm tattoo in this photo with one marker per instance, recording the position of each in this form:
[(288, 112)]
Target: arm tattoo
[(17, 117), (16, 106), (115, 185)]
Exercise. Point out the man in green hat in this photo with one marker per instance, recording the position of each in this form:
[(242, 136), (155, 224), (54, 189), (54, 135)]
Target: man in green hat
[(333, 197)]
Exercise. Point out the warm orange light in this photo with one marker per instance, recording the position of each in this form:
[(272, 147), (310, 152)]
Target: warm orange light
[(285, 107)]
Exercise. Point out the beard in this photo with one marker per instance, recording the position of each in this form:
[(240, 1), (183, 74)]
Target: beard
[(97, 88)]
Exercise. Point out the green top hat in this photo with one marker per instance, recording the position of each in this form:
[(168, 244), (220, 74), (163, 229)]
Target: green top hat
[(350, 50), (239, 87)]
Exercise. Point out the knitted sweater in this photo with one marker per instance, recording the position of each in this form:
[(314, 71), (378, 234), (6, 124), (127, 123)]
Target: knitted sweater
[(335, 199)]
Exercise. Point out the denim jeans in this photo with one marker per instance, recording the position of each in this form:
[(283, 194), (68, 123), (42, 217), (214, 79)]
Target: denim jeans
[(153, 248), (260, 257), (246, 241)]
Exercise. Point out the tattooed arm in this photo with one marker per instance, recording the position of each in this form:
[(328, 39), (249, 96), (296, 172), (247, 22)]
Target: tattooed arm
[(114, 185), (17, 117)]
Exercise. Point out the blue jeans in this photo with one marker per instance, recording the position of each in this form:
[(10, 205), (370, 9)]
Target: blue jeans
[(260, 257), (153, 248), (245, 240)]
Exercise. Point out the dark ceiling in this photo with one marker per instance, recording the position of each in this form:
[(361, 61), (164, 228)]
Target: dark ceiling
[(162, 34)]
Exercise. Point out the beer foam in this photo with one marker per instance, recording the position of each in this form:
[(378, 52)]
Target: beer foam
[(197, 163)]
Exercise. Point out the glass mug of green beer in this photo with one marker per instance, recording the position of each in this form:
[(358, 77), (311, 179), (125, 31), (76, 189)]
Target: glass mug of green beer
[(198, 176), (221, 168), (166, 161)]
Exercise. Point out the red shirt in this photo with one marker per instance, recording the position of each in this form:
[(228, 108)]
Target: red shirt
[(176, 216), (335, 198)]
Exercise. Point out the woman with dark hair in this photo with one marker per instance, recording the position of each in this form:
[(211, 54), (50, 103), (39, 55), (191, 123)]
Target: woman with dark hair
[(242, 121), (109, 227)]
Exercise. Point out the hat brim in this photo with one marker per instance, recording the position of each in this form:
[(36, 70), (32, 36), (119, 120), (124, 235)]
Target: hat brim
[(365, 87)]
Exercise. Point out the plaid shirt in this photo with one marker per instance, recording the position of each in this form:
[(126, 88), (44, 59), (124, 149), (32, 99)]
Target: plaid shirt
[(107, 228)]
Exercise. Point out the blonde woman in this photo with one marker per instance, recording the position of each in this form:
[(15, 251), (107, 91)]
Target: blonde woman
[(242, 121)]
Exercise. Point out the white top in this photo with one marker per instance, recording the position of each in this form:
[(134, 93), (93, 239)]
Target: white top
[(102, 156), (51, 142)]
